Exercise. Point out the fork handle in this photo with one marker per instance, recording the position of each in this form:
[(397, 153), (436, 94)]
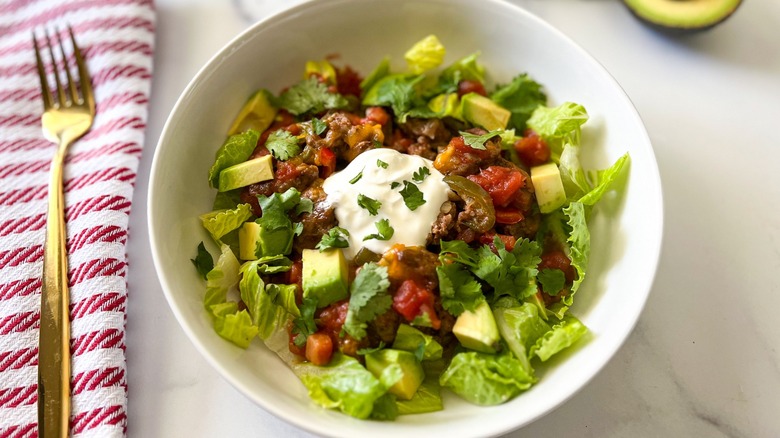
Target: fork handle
[(54, 366)]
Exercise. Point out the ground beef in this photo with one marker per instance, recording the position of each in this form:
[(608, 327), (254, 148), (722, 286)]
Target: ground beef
[(292, 173), (383, 328), (444, 223), (318, 222), (429, 135), (339, 124)]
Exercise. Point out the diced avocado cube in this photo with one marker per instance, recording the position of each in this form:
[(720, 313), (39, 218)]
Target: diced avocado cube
[(412, 374), (322, 68), (482, 111), (446, 105), (477, 330), (248, 238), (246, 173), (325, 275), (257, 113), (410, 339), (548, 187)]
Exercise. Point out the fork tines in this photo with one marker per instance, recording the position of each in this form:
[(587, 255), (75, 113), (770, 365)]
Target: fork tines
[(72, 98)]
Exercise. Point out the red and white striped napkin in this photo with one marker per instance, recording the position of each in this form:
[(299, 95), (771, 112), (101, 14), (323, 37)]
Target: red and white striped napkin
[(116, 37)]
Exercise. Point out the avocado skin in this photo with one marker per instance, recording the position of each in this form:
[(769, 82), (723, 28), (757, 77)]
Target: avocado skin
[(679, 30)]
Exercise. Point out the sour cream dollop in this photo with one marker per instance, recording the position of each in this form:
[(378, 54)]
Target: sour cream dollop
[(410, 227)]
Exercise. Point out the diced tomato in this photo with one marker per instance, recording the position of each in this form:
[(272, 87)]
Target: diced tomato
[(532, 149), (556, 259), (294, 129), (460, 146), (467, 86), (399, 141), (327, 160), (489, 237), (376, 114), (286, 171), (294, 349), (500, 182), (412, 301), (508, 216), (332, 319), (348, 81), (319, 348)]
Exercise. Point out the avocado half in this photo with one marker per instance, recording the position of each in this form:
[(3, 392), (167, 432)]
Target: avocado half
[(682, 16)]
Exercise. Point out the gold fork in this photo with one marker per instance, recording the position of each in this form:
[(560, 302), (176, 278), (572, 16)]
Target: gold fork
[(66, 117)]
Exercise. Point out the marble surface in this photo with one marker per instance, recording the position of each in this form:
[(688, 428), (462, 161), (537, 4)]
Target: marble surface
[(703, 359)]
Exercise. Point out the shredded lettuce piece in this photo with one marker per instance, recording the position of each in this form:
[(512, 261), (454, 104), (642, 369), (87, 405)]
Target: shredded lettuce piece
[(265, 314), (486, 379), (521, 96), (562, 335), (520, 327), (235, 327), (573, 177), (222, 278), (559, 125), (344, 384), (579, 245), (605, 180), (426, 399), (425, 55), (236, 149), (464, 69), (220, 222)]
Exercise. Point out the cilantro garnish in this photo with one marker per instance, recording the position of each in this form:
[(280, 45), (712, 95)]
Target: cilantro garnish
[(368, 299), (510, 273), (318, 125), (370, 204), (203, 261), (310, 96), (459, 290), (413, 197), (282, 145), (356, 178), (420, 175), (458, 251), (385, 231), (336, 237), (277, 229), (367, 350), (304, 325), (394, 185), (552, 281), (376, 144), (478, 141), (381, 164)]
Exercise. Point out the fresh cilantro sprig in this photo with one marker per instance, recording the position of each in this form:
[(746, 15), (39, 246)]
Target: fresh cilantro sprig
[(385, 231), (552, 281), (318, 126), (369, 298), (310, 96), (368, 350), (203, 261), (336, 237), (458, 288), (510, 273), (413, 197), (478, 141), (420, 174), (304, 325), (394, 185), (283, 145), (370, 204)]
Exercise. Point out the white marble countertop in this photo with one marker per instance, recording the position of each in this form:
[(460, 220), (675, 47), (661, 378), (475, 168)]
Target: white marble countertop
[(703, 359)]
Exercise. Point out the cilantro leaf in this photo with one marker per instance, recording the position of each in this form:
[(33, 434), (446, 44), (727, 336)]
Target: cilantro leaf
[(396, 91), (203, 261), (521, 97), (356, 178), (336, 237), (552, 281), (318, 125), (368, 350), (509, 273), (458, 251), (277, 229), (420, 174), (385, 231), (394, 185), (478, 141), (304, 325), (282, 145), (310, 96), (368, 299), (413, 197), (370, 204), (459, 290), (381, 164)]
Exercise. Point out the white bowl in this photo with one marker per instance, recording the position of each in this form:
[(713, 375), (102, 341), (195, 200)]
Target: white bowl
[(626, 230)]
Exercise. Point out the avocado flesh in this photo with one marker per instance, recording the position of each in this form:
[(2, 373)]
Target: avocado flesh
[(483, 112), (477, 330), (682, 15), (248, 238), (325, 275), (410, 339), (412, 373), (246, 173), (548, 187), (257, 113)]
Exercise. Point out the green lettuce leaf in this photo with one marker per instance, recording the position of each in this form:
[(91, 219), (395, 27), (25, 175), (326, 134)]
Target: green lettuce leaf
[(222, 278), (227, 200), (559, 125), (423, 346), (605, 179), (579, 245), (203, 261), (486, 379), (344, 384), (464, 69), (310, 96), (220, 222), (385, 408), (425, 55), (236, 149), (521, 96), (520, 327), (284, 295), (235, 327), (381, 70), (572, 175), (426, 399), (562, 335), (265, 314)]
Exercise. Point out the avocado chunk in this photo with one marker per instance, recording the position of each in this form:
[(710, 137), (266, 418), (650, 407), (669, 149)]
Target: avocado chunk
[(257, 113), (412, 374), (682, 16), (323, 69), (477, 330), (248, 238), (325, 275), (482, 111), (446, 105), (246, 173), (548, 187), (410, 339)]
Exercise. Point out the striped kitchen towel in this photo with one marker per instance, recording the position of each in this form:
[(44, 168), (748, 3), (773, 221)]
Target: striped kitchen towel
[(116, 37)]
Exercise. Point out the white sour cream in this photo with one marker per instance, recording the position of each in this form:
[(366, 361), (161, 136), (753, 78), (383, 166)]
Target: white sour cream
[(410, 227)]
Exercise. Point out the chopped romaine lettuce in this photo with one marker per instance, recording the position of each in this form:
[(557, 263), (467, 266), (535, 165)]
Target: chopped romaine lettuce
[(426, 399), (464, 69), (235, 327), (381, 70), (520, 327), (220, 222), (486, 379), (562, 335), (265, 314), (558, 125), (579, 245), (222, 278), (425, 55), (236, 149), (605, 179)]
